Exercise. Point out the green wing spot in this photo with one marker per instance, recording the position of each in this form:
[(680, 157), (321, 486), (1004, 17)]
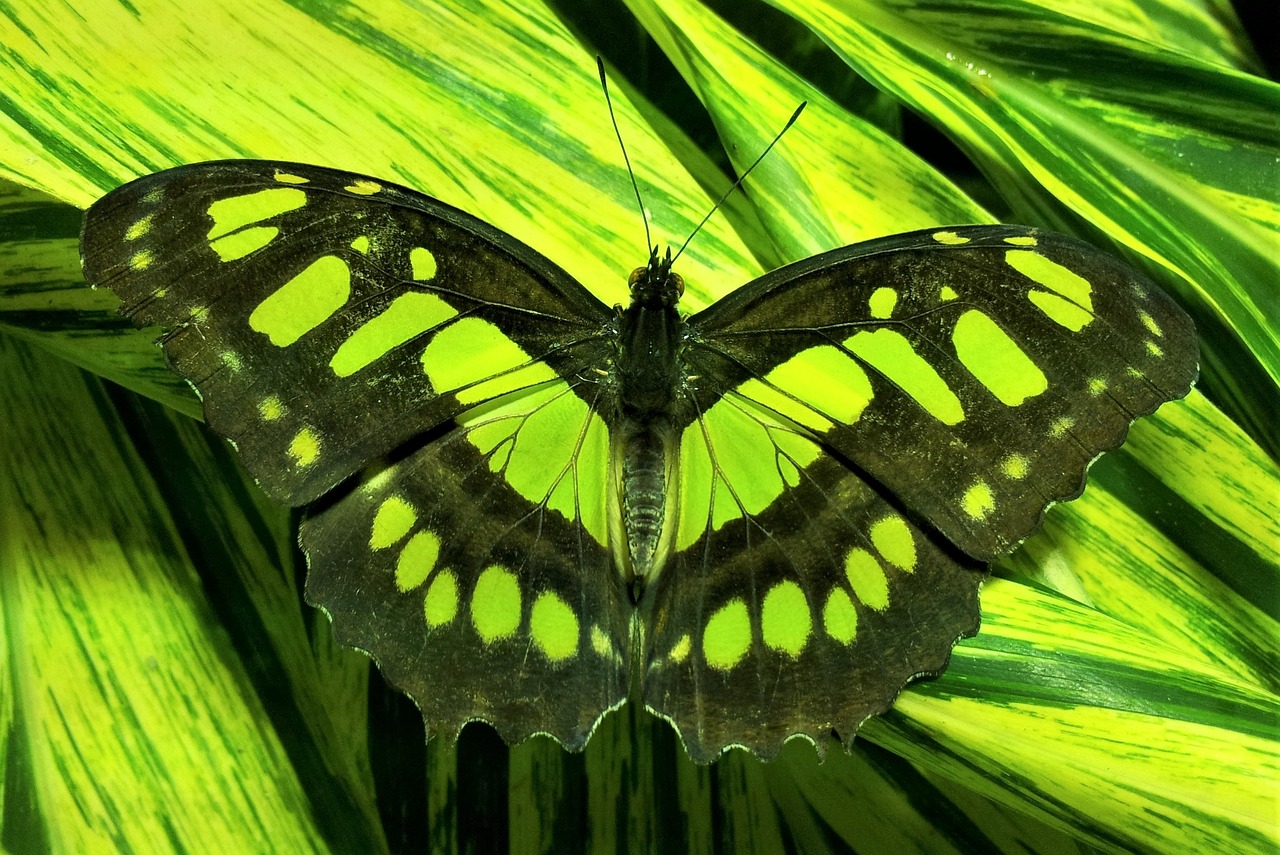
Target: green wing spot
[(243, 242), (785, 621), (996, 360), (1064, 313), (492, 430), (143, 226), (409, 315), (233, 214), (271, 408), (889, 352), (770, 398), (744, 457), (680, 650), (892, 538), (304, 302), (554, 627), (866, 578), (946, 294), (231, 360), (882, 302), (393, 520), (1150, 323), (696, 481), (727, 636), (1052, 275), (538, 441), (473, 358), (978, 501), (580, 492), (787, 468), (290, 178), (793, 453), (417, 560), (1023, 240), (495, 604), (808, 380), (813, 374), (440, 606), (545, 443), (600, 642), (949, 238), (1015, 467), (1061, 427), (591, 469), (422, 263), (141, 260), (236, 212), (363, 187), (1154, 349), (1097, 385), (361, 244), (305, 447), (839, 617)]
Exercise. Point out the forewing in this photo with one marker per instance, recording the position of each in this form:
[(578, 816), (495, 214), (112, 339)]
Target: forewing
[(325, 317), (972, 373)]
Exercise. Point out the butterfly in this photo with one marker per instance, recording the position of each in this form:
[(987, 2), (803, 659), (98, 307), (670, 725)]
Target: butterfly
[(758, 521)]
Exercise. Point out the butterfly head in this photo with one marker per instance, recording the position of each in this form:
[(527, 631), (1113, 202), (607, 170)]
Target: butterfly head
[(654, 285)]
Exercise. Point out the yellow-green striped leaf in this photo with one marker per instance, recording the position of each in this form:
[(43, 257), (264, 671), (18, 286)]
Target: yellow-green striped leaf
[(1160, 659)]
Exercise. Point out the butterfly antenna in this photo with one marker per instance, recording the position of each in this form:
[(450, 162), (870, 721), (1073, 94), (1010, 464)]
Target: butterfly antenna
[(743, 176), (648, 242)]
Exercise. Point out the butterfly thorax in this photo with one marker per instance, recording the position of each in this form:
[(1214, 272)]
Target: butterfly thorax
[(645, 449)]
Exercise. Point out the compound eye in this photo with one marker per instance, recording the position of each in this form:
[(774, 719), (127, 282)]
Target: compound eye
[(678, 281), (635, 276)]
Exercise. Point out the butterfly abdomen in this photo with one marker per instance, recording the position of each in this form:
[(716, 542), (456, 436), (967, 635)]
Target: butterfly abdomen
[(645, 441), (643, 449)]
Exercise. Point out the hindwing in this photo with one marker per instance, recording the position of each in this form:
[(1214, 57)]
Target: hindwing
[(475, 569), (799, 601)]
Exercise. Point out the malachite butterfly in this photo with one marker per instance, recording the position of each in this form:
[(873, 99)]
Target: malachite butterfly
[(760, 520)]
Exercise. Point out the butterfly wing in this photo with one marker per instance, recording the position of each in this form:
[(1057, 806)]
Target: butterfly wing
[(801, 614), (865, 424), (419, 377), (326, 317), (476, 571)]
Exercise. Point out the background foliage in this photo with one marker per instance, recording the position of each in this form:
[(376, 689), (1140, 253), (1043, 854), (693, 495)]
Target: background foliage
[(162, 687)]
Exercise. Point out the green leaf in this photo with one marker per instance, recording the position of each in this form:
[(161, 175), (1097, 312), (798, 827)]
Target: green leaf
[(1138, 124), (128, 708), (1085, 119)]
